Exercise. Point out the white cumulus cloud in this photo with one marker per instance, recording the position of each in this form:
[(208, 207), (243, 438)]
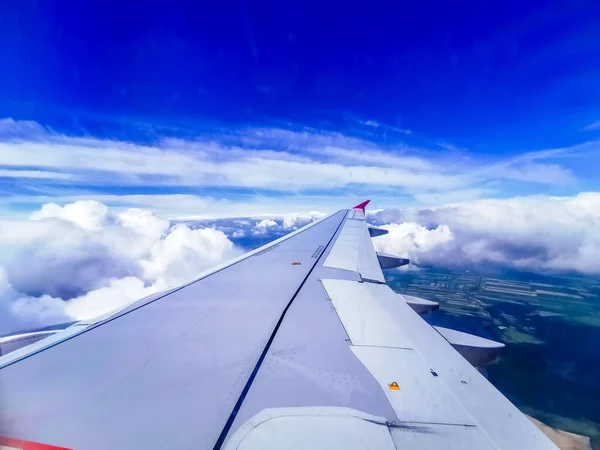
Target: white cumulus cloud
[(263, 226), (182, 252), (411, 240), (266, 223), (537, 233), (82, 260), (88, 214), (295, 221)]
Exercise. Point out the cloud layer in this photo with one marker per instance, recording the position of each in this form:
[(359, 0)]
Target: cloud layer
[(537, 233), (261, 161), (84, 259), (81, 260)]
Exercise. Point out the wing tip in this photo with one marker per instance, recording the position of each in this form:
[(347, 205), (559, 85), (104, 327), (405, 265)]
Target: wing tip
[(362, 205)]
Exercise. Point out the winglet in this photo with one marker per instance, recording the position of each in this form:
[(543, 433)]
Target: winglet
[(362, 205)]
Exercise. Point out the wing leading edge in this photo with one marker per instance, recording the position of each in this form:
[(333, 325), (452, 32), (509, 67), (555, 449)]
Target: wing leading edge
[(299, 344)]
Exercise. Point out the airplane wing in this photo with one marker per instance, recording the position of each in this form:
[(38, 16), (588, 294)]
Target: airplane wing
[(299, 344)]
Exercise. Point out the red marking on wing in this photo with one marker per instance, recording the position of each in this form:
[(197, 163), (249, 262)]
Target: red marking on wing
[(27, 445), (362, 205)]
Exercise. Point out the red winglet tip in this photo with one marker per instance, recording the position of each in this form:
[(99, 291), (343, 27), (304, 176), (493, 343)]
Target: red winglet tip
[(362, 205)]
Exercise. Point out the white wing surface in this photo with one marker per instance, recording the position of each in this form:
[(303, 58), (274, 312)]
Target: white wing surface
[(299, 344)]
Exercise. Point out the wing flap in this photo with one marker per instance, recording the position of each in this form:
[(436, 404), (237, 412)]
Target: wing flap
[(432, 370), (365, 321), (415, 393)]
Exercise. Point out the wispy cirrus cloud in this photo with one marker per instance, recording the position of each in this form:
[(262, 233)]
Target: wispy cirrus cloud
[(375, 124), (304, 163), (592, 126), (192, 207), (251, 164), (39, 174)]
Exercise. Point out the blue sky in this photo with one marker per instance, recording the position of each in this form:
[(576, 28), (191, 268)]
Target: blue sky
[(115, 116), (484, 99)]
